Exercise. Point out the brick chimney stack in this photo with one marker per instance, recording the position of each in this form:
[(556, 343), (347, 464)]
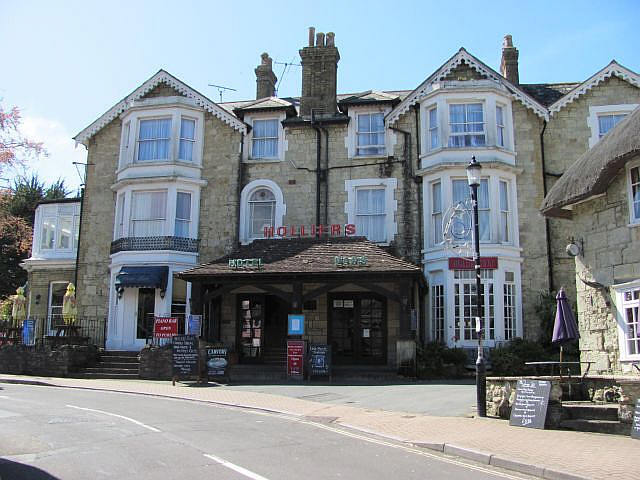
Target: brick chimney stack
[(319, 74), (509, 63), (265, 78)]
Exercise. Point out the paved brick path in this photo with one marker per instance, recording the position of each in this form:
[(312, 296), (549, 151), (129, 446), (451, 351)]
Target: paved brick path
[(552, 453)]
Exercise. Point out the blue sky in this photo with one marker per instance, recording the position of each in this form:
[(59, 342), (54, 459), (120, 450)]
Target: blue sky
[(67, 62)]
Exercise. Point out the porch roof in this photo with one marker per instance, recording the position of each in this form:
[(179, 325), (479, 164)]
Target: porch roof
[(304, 257)]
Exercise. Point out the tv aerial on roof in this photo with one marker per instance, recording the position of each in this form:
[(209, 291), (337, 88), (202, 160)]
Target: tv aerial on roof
[(221, 89)]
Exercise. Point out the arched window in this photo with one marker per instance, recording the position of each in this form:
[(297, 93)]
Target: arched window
[(262, 205), (262, 211)]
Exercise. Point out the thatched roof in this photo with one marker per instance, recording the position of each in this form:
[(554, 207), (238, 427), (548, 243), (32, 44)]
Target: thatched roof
[(594, 170)]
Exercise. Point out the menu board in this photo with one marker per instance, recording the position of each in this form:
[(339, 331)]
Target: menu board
[(320, 359), (185, 355), (635, 425), (295, 358), (530, 406), (217, 361)]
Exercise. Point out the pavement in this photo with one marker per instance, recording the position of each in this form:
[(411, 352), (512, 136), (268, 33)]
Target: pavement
[(550, 454)]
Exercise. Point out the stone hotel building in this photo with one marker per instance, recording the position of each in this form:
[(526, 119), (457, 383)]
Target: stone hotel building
[(350, 191)]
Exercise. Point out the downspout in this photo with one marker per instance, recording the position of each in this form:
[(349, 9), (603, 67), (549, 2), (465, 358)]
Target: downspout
[(406, 177), (546, 219), (318, 139), (239, 187), (325, 174), (418, 180), (75, 276)]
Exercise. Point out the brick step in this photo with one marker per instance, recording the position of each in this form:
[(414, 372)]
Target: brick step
[(597, 426), (117, 365), (109, 370), (114, 376), (590, 411)]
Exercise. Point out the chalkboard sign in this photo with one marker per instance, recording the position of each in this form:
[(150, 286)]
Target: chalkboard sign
[(216, 361), (185, 355), (320, 359), (530, 406), (635, 425)]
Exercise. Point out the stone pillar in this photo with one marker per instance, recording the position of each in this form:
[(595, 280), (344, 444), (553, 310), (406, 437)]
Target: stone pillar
[(319, 74), (265, 78), (509, 63)]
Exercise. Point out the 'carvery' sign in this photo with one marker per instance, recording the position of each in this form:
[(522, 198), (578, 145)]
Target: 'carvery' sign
[(335, 230)]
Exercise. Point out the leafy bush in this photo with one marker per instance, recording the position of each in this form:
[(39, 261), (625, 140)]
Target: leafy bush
[(509, 360), (437, 360)]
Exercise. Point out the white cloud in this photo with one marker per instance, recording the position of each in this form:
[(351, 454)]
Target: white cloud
[(61, 148)]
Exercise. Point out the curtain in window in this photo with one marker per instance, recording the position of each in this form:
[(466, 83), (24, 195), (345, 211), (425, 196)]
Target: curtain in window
[(607, 122), (66, 230), (370, 214), (148, 214), (120, 219), (635, 192), (462, 191), (262, 209), (183, 214), (370, 134), (433, 128), (499, 127), (153, 139), (436, 212), (187, 139), (265, 139), (48, 233), (504, 212), (467, 126)]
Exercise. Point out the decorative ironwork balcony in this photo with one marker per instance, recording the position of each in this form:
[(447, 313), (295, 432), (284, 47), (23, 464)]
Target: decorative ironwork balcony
[(178, 244)]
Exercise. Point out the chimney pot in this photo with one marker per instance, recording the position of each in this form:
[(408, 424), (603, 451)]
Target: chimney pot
[(265, 78), (508, 41), (312, 35), (331, 39), (319, 39), (509, 61)]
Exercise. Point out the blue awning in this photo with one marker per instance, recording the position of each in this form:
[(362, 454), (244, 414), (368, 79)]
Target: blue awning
[(145, 277)]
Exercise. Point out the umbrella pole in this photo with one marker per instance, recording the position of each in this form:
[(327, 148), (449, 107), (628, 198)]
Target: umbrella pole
[(560, 356)]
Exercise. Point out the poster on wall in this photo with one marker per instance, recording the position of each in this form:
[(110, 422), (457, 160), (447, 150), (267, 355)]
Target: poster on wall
[(194, 325), (296, 324)]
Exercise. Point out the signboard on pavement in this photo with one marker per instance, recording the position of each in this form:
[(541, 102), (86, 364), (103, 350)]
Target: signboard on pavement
[(165, 327), (635, 425), (217, 361), (185, 355), (319, 359), (530, 406), (194, 325), (295, 358)]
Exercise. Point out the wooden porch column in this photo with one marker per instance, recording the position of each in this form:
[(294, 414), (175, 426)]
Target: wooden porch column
[(405, 320), (196, 298)]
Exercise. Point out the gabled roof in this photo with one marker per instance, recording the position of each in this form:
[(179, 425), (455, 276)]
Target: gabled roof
[(595, 169), (168, 79), (306, 256), (462, 56), (613, 69)]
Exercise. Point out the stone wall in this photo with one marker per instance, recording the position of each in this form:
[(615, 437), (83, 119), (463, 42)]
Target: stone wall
[(565, 139), (39, 284), (531, 223), (60, 362), (611, 256)]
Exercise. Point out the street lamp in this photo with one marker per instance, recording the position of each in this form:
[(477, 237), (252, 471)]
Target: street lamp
[(473, 177)]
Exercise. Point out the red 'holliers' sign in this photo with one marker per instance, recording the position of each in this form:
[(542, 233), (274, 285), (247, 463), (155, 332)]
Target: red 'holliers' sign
[(334, 230)]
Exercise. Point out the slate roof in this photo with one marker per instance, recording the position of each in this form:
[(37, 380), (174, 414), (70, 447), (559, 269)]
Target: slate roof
[(595, 169), (305, 256), (548, 93)]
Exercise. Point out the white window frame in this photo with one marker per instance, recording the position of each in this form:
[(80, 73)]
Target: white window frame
[(189, 220), (620, 290), (506, 213), (175, 108), (390, 203), (245, 214), (500, 127), (436, 215), (452, 134), (633, 220), (434, 130), (597, 111), (165, 219), (381, 147), (50, 323), (351, 140), (56, 211), (282, 141)]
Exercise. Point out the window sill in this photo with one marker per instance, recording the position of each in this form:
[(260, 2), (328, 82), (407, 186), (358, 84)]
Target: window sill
[(634, 224), (159, 164), (372, 157), (262, 160)]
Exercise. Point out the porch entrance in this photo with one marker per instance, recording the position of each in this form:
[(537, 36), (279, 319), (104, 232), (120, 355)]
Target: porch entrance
[(358, 328)]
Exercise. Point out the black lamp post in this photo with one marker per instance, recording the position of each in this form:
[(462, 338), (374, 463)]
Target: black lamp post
[(473, 177)]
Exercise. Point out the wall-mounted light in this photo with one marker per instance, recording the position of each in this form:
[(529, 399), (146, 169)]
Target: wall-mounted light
[(38, 296), (575, 247), (162, 293), (120, 291)]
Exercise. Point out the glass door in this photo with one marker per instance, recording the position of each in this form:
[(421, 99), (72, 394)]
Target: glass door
[(146, 312)]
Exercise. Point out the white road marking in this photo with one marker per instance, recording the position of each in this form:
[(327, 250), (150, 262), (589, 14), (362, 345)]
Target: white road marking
[(5, 397), (148, 427), (236, 468)]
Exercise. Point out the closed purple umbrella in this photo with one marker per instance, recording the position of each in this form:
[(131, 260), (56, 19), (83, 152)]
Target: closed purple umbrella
[(565, 328)]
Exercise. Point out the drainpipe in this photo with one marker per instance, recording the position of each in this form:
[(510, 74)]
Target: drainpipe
[(239, 187), (546, 219), (75, 276), (406, 197), (318, 140), (326, 174)]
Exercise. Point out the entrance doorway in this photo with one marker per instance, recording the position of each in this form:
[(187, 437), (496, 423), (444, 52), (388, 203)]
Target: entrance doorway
[(146, 311), (262, 327), (358, 328)]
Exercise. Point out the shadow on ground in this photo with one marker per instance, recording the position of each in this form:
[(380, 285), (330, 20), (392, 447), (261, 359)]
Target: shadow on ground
[(18, 471)]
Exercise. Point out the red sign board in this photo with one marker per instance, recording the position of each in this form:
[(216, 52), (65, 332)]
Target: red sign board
[(295, 358), (334, 230), (457, 263), (165, 327)]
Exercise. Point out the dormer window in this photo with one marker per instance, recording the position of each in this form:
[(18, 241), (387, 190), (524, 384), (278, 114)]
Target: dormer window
[(466, 125), (56, 229), (265, 139), (370, 134)]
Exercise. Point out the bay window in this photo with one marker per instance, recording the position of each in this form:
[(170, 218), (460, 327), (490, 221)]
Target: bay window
[(466, 125), (509, 305), (499, 126), (187, 139), (504, 212), (465, 304), (183, 214), (461, 192), (56, 228), (438, 314), (153, 139), (434, 140), (436, 212), (370, 134), (148, 214)]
